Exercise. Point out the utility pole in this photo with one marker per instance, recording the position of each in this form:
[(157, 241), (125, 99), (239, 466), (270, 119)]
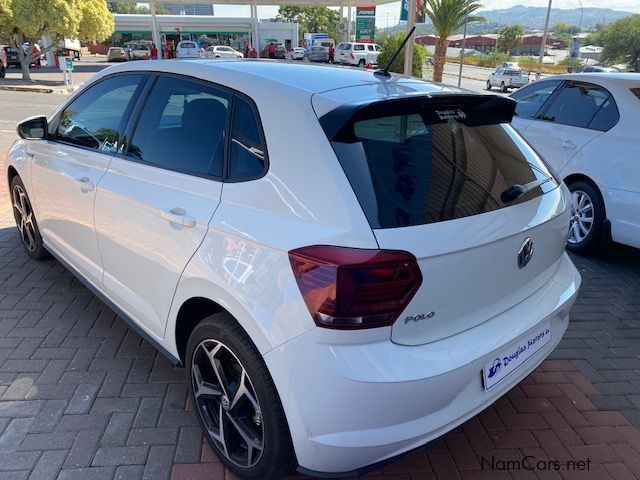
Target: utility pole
[(543, 45), (408, 52)]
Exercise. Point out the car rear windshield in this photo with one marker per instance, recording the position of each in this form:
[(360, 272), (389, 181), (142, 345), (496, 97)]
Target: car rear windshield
[(513, 72), (416, 164), (636, 92), (188, 45)]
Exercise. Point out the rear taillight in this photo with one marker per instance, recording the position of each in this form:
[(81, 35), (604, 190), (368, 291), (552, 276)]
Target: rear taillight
[(349, 288), (352, 56)]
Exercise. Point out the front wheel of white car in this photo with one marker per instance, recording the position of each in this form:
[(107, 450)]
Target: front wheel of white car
[(587, 218), (26, 221), (488, 85), (237, 403)]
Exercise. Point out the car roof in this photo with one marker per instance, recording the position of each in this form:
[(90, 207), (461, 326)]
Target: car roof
[(287, 75), (599, 77)]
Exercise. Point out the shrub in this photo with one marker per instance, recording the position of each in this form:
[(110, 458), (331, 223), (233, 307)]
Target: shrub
[(390, 45)]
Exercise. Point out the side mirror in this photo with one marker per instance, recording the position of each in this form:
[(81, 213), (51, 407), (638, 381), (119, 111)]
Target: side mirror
[(33, 128)]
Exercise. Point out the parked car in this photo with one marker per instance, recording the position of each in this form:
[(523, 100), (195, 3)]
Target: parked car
[(280, 52), (598, 69), (506, 78), (222, 51), (314, 333), (187, 49), (318, 54), (12, 57), (297, 53), (140, 51), (116, 54), (359, 54), (586, 128), (3, 62)]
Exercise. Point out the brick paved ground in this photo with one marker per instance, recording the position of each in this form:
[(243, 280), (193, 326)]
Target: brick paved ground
[(83, 397)]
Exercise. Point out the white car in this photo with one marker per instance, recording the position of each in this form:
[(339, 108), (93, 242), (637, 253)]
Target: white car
[(297, 53), (506, 78), (222, 51), (187, 49), (405, 241), (358, 54), (585, 126)]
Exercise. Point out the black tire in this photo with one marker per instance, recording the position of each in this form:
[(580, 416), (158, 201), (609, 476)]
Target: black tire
[(503, 88), (277, 458), (3, 71), (30, 233), (488, 85), (361, 63), (592, 242)]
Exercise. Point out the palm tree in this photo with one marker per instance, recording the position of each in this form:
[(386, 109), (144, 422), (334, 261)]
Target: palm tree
[(448, 16)]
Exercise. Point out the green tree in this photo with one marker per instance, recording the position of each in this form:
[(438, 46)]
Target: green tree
[(447, 17), (596, 36), (510, 38), (390, 45), (29, 20), (133, 8), (622, 42), (312, 19)]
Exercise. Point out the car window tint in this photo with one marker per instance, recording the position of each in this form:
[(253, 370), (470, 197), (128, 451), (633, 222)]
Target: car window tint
[(576, 105), (370, 48), (358, 47), (606, 117), (248, 153), (94, 119), (531, 98), (182, 127), (636, 92)]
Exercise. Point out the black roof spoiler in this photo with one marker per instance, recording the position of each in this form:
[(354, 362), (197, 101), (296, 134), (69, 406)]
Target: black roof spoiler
[(468, 109)]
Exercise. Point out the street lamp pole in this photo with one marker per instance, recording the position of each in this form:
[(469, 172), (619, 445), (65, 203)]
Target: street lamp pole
[(464, 41), (580, 26), (543, 44)]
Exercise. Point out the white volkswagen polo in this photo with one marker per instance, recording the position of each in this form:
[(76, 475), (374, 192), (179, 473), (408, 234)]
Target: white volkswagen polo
[(337, 300)]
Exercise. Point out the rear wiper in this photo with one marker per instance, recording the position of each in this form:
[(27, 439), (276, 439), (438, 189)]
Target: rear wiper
[(516, 190)]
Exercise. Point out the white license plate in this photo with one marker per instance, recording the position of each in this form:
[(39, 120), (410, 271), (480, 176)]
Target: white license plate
[(509, 360)]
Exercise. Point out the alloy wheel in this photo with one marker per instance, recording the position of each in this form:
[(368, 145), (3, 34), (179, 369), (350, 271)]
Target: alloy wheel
[(24, 218), (227, 403), (581, 217)]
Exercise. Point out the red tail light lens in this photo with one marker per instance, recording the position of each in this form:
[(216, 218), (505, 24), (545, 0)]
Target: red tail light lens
[(352, 56), (349, 288)]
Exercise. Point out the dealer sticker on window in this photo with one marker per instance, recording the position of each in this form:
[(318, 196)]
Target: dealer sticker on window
[(499, 368)]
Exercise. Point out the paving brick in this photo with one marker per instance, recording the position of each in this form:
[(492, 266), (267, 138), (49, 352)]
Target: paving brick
[(18, 460), (82, 399), (95, 473), (48, 465), (159, 463), (53, 372), (197, 471), (19, 387), (48, 441), (606, 419), (75, 423), (148, 412), (117, 432), (187, 450), (14, 434), (120, 456), (153, 436), (599, 435), (113, 405), (83, 450)]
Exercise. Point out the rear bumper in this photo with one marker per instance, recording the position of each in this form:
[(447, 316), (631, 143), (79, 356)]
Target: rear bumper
[(363, 401)]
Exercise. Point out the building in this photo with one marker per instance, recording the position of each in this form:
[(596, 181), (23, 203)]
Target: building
[(189, 8), (487, 43), (205, 30)]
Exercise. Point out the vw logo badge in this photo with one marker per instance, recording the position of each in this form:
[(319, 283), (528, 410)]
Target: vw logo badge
[(525, 253)]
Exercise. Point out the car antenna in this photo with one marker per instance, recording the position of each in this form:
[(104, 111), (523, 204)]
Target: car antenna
[(384, 71)]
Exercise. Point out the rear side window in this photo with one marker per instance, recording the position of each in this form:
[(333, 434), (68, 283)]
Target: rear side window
[(531, 98), (636, 92), (584, 106), (418, 168), (358, 47), (95, 118), (248, 157), (182, 127)]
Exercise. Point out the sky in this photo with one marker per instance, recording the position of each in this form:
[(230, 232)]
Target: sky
[(389, 14)]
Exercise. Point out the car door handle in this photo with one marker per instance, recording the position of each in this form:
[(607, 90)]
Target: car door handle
[(85, 184), (179, 216), (569, 145)]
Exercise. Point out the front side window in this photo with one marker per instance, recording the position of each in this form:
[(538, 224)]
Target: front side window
[(584, 106), (531, 98), (248, 152), (182, 127), (96, 118), (421, 167)]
